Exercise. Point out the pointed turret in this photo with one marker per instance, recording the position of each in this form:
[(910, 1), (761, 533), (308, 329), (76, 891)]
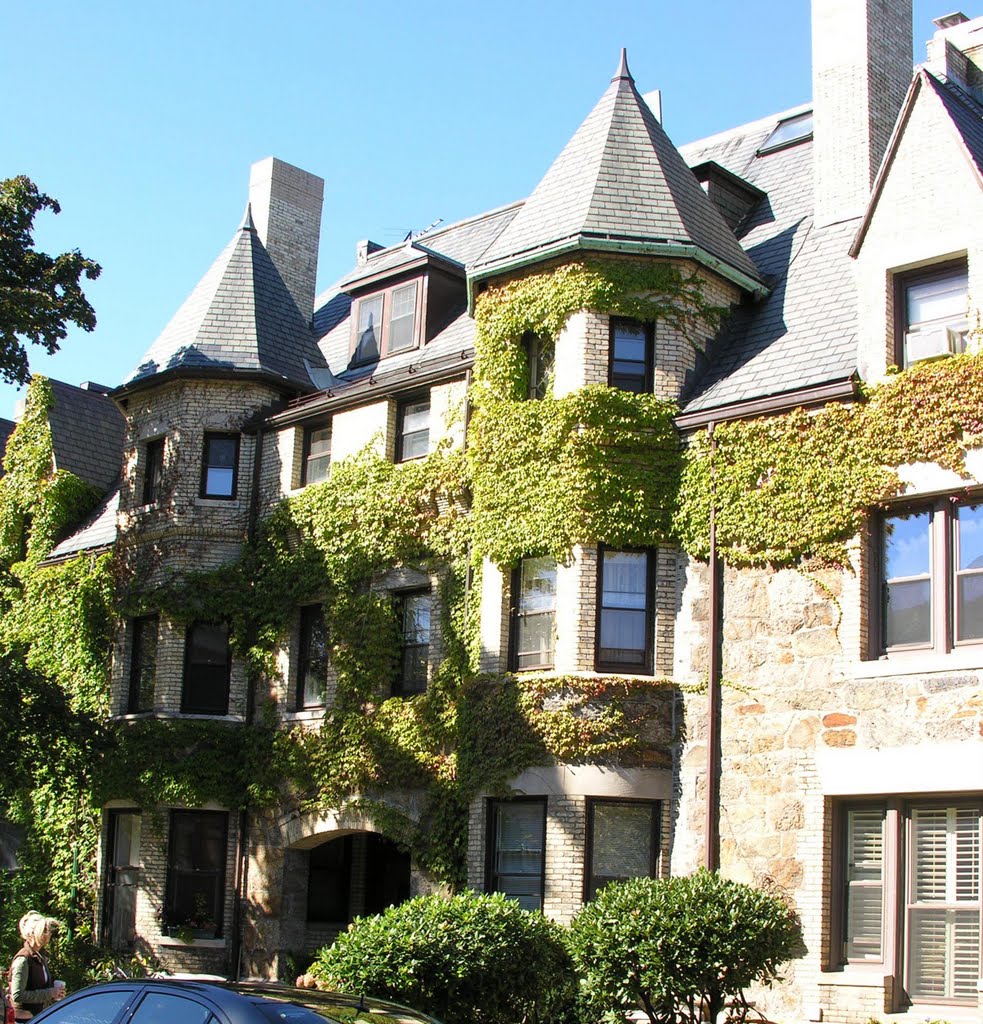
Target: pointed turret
[(619, 186), (240, 319)]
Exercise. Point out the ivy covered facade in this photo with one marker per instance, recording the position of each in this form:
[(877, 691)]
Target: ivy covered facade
[(630, 528)]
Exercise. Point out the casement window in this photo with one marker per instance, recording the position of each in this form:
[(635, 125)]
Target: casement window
[(909, 881), (196, 854), (143, 664), (153, 470), (207, 670), (622, 842), (541, 361), (220, 466), (413, 438), (931, 577), (312, 663), (624, 611), (630, 364), (413, 609), (317, 454), (517, 850), (931, 312), (386, 323), (533, 613)]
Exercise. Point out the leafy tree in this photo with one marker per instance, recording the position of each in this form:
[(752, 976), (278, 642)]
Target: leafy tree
[(680, 946), (39, 294), (472, 957)]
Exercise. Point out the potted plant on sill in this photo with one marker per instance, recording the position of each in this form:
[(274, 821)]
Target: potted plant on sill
[(198, 925)]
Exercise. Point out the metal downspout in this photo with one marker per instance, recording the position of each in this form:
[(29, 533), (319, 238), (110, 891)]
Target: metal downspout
[(242, 845), (712, 860)]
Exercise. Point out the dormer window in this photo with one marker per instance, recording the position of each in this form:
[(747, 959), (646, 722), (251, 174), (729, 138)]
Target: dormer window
[(386, 323), (934, 303)]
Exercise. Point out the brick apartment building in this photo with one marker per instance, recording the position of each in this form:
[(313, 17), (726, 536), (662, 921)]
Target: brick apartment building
[(844, 238)]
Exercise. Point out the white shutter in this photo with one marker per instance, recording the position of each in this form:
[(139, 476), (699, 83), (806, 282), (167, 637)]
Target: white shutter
[(865, 883)]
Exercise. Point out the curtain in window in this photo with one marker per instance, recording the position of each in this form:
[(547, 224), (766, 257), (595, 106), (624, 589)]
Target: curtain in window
[(623, 607)]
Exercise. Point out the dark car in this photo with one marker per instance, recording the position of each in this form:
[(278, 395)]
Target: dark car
[(173, 1001)]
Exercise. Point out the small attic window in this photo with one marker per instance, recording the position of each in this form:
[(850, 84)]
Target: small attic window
[(789, 132)]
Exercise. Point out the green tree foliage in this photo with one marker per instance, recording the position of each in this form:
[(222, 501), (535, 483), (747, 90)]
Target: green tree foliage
[(39, 294), (472, 957), (683, 944)]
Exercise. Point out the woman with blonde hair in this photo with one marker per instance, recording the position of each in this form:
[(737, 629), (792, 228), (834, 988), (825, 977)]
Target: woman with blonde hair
[(31, 984)]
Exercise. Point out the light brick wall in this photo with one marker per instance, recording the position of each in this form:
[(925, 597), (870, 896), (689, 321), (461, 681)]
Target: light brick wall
[(353, 429), (494, 629), (861, 53), (915, 224)]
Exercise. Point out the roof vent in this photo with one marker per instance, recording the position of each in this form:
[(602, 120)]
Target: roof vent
[(91, 385)]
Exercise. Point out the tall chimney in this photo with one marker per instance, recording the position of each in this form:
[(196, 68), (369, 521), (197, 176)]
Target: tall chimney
[(286, 210), (861, 69)]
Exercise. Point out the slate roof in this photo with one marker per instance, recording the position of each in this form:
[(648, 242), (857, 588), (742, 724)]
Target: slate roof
[(86, 433), (457, 243), (240, 318), (966, 114), (99, 531), (804, 333), (618, 183)]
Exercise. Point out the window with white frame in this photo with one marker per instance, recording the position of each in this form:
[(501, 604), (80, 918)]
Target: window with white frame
[(413, 439), (317, 454), (933, 306)]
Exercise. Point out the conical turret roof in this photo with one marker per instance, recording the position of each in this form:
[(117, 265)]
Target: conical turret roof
[(619, 185), (239, 319)]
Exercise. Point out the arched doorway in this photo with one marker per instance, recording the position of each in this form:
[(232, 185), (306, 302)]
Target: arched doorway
[(354, 875)]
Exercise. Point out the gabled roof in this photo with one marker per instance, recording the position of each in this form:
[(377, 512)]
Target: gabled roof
[(239, 319), (966, 118), (619, 185), (86, 433)]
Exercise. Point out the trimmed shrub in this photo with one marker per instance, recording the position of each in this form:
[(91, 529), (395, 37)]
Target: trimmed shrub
[(683, 945), (472, 957)]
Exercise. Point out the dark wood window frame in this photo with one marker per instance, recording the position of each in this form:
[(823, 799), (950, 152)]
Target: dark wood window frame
[(491, 874), (306, 458), (516, 616), (402, 687), (189, 706), (142, 628), (540, 364), (897, 813), (902, 281), (401, 411), (219, 435), (943, 547), (216, 874), (384, 332), (647, 667), (648, 330), (309, 615), (153, 470), (655, 838)]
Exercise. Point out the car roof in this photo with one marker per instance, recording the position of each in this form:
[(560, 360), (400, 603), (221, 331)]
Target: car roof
[(231, 996)]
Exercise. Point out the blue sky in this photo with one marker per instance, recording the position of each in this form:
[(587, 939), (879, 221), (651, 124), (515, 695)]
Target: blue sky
[(142, 119)]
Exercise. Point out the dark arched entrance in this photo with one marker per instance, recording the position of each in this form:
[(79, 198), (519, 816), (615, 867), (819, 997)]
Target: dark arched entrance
[(356, 874)]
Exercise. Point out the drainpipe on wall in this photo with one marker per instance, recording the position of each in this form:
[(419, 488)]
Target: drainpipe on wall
[(242, 845), (712, 860)]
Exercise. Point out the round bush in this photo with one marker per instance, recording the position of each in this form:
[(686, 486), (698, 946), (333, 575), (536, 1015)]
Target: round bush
[(464, 958), (683, 944)]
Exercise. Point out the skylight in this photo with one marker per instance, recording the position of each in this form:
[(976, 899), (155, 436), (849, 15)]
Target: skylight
[(788, 132)]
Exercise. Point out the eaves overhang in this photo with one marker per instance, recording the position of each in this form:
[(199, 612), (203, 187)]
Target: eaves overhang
[(371, 387), (585, 242), (368, 277), (154, 380), (844, 389)]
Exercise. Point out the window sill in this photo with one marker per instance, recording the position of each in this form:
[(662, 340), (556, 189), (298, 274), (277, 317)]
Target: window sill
[(910, 663), (217, 502), (172, 942), (207, 717), (305, 715)]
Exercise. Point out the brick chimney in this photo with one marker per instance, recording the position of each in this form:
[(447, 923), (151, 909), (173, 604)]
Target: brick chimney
[(956, 52), (861, 69), (286, 211)]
